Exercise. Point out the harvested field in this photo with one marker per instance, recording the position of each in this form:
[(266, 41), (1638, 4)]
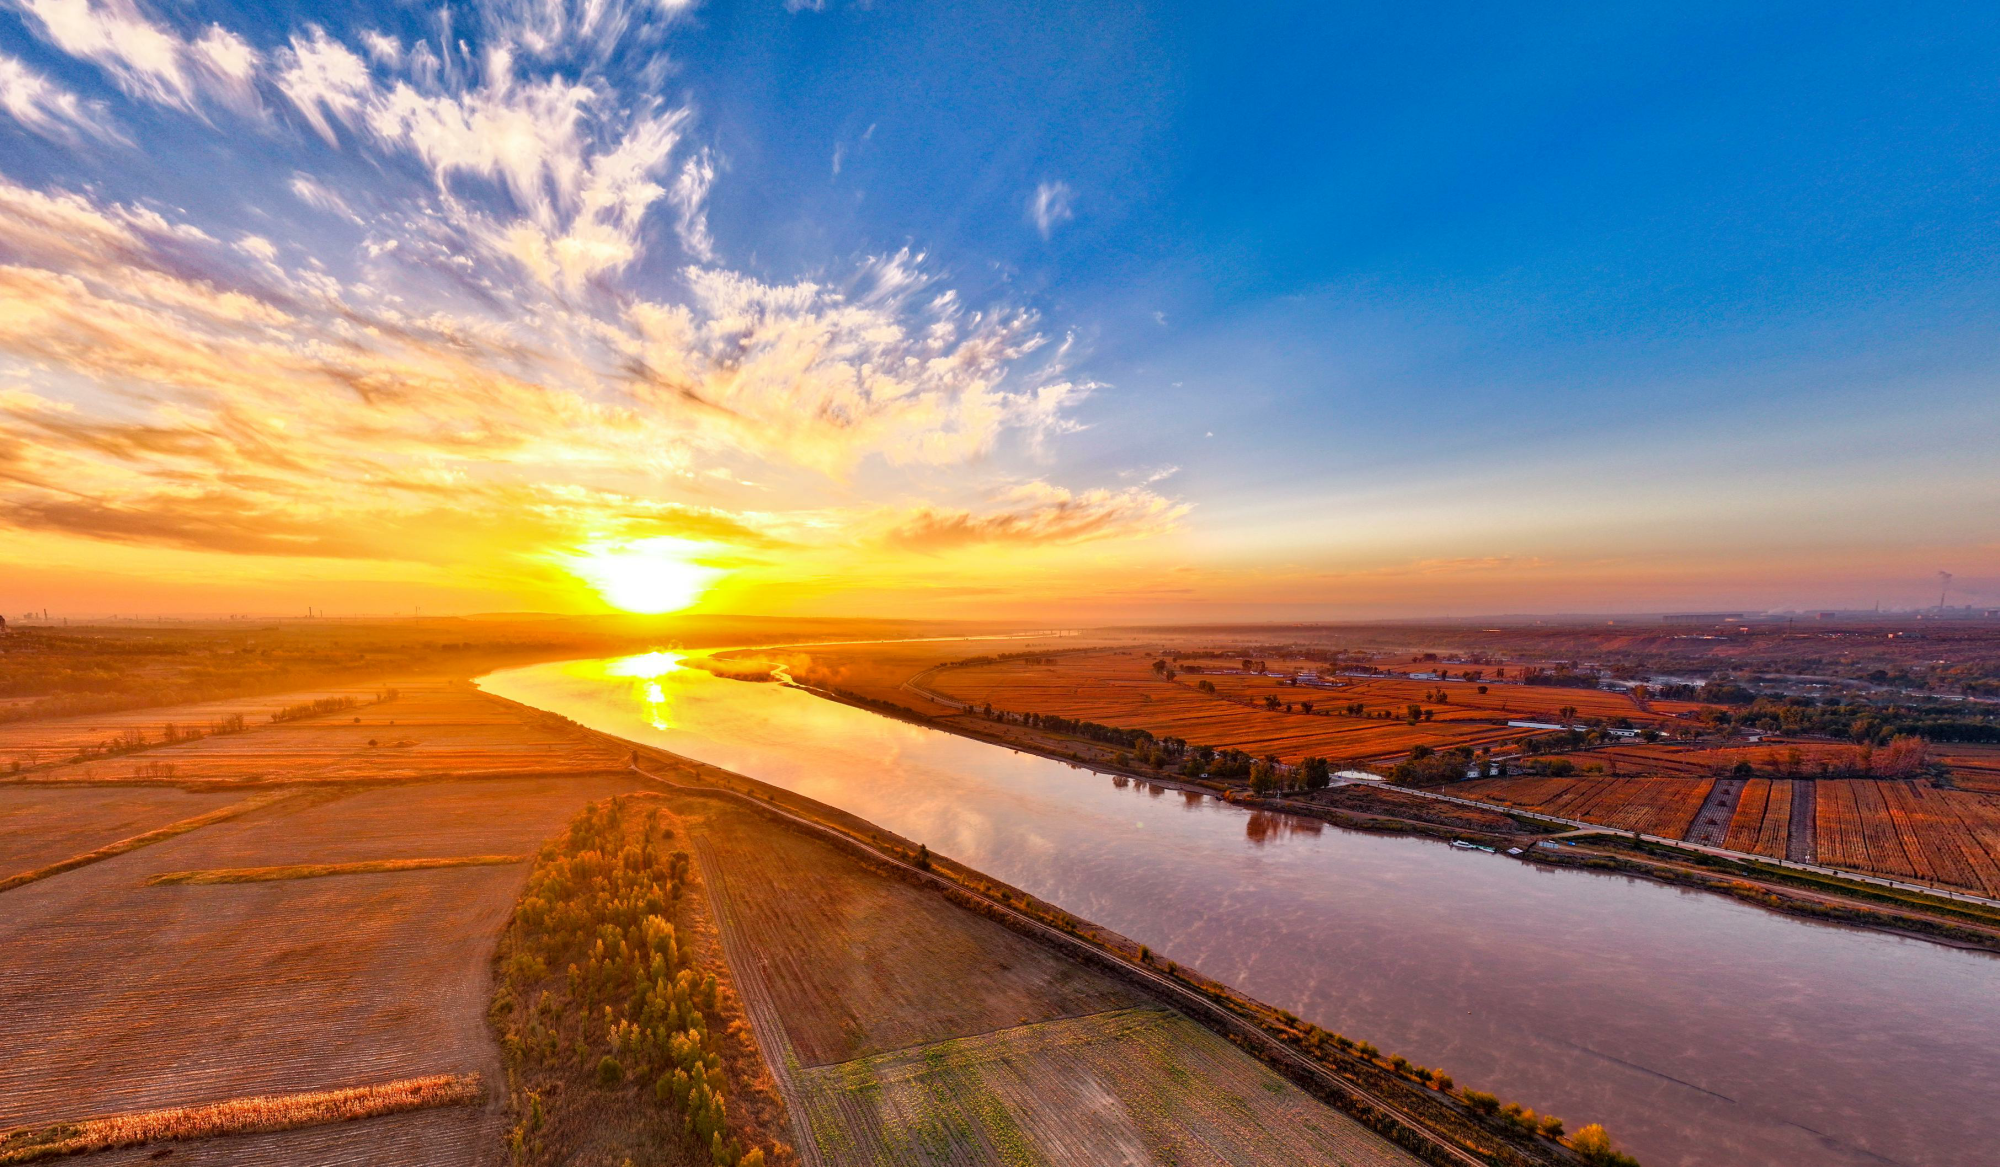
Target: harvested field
[(433, 729), (859, 963), (1131, 1086), (907, 1030), (202, 993), (1900, 829), (1655, 806), (49, 740), (40, 826), (1973, 767), (1910, 830), (231, 810)]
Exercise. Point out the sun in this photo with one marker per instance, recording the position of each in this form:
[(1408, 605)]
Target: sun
[(646, 576)]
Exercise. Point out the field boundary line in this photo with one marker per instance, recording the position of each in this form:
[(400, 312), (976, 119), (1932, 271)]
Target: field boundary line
[(216, 875), (1024, 1028), (254, 1114), (1319, 1082), (147, 838), (765, 1020)]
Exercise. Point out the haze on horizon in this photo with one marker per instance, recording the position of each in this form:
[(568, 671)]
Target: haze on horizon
[(1161, 312)]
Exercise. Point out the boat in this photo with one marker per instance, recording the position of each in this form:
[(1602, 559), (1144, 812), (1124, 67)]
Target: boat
[(1462, 845)]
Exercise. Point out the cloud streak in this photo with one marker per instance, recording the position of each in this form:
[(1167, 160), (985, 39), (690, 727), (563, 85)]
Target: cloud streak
[(1037, 514)]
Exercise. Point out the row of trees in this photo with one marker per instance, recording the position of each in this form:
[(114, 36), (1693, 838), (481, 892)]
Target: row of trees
[(632, 1007)]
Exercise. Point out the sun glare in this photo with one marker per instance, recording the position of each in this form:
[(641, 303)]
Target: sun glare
[(646, 666), (647, 576)]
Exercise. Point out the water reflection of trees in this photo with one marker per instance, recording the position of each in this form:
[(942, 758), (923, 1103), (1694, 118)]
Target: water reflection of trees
[(1267, 826)]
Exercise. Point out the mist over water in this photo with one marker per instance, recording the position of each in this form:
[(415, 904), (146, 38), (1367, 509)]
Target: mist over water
[(1700, 1030)]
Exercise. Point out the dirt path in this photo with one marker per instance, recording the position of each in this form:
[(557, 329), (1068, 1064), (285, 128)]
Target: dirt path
[(1802, 840), (1711, 822)]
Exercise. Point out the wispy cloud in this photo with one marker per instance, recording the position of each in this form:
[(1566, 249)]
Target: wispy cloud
[(46, 108), (1051, 206), (1038, 514), (147, 59)]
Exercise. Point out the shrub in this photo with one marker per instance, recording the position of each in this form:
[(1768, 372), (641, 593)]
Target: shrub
[(1481, 1102), (1598, 1149), (609, 1072)]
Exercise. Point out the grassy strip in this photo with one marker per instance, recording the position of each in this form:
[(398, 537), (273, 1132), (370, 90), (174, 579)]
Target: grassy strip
[(264, 1112), (316, 870), (161, 834)]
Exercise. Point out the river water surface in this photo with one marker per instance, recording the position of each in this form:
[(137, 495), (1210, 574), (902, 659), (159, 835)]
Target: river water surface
[(1701, 1031)]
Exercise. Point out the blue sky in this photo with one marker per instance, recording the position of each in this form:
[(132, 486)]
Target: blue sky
[(1321, 309)]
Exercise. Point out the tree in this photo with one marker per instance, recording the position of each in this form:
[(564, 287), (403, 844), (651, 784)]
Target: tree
[(1263, 778), (1598, 1149), (1315, 773)]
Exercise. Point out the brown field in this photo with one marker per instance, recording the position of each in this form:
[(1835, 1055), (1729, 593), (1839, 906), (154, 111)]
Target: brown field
[(52, 740), (1655, 806), (202, 994), (433, 729), (1973, 767), (1784, 759), (1119, 688), (1901, 829), (1128, 1086), (907, 1030), (40, 826)]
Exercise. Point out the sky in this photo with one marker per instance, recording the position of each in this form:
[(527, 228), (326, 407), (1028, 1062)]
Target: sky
[(997, 310)]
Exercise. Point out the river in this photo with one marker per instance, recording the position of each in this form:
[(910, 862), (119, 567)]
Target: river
[(1700, 1030)]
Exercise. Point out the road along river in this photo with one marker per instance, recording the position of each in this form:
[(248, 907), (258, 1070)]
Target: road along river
[(1700, 1030)]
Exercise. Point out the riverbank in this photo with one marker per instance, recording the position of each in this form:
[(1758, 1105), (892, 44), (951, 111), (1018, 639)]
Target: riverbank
[(1939, 921), (1421, 1110)]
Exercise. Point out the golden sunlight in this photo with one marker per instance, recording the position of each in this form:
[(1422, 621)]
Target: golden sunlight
[(647, 576)]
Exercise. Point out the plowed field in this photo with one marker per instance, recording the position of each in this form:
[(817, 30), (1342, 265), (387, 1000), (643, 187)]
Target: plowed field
[(1902, 829), (911, 1031), (432, 729), (1133, 1086), (118, 997), (1655, 806)]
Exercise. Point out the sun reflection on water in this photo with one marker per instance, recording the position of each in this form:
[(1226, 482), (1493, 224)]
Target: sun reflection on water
[(646, 669)]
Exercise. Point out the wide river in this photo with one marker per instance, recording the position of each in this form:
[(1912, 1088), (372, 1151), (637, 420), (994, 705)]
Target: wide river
[(1701, 1031)]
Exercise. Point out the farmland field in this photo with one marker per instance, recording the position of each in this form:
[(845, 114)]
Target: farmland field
[(1902, 829), (1118, 688), (1656, 806), (204, 993), (39, 826), (431, 729), (1128, 1086), (907, 1030)]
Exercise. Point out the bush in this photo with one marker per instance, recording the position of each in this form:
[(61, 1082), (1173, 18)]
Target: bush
[(1483, 1103), (1597, 1148), (609, 1072)]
